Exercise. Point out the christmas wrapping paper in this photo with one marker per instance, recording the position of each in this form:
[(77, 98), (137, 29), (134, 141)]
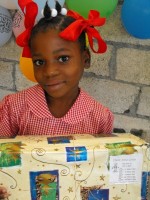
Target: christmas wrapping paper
[(75, 167)]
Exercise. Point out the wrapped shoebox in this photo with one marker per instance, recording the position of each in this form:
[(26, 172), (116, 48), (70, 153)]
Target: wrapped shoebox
[(75, 167)]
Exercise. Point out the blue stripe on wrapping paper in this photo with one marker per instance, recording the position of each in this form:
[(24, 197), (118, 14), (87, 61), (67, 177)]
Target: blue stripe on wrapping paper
[(59, 139), (102, 194), (76, 154), (144, 185)]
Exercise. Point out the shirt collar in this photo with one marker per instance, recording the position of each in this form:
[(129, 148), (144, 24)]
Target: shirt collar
[(80, 109)]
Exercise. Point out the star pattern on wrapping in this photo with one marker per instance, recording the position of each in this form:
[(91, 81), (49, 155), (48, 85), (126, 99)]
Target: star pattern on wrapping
[(56, 149), (102, 177), (19, 171), (78, 166), (38, 140), (116, 198), (70, 189)]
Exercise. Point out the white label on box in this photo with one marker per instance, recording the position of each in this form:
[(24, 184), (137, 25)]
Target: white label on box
[(126, 169)]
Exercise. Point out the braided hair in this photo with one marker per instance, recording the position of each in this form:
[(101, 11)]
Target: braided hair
[(59, 22)]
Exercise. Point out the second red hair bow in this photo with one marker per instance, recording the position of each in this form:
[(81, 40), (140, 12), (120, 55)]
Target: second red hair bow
[(73, 31)]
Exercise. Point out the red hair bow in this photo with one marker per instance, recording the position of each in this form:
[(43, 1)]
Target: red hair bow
[(30, 10), (73, 31)]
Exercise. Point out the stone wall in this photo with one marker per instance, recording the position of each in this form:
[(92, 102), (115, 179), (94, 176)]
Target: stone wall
[(120, 78)]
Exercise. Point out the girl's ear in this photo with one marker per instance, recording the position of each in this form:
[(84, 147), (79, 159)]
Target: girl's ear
[(87, 59)]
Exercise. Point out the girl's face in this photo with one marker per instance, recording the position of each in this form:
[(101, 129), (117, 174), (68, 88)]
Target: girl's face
[(58, 64)]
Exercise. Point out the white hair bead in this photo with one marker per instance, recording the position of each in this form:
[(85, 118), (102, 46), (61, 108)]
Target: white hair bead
[(63, 11), (42, 12), (54, 12)]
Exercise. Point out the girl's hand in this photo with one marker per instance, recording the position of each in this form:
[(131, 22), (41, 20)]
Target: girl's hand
[(4, 193)]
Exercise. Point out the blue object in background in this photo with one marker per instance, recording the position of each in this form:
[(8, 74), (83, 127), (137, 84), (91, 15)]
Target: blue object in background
[(135, 16)]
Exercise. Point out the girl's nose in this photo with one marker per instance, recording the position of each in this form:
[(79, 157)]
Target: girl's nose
[(51, 70)]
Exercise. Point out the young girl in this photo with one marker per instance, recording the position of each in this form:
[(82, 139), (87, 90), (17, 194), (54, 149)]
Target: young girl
[(57, 105)]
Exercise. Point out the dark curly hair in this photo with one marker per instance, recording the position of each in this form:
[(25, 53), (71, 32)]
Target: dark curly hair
[(60, 22)]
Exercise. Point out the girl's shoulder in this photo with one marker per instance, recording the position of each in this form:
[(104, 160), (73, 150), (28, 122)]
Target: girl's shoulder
[(95, 106), (91, 100), (21, 97)]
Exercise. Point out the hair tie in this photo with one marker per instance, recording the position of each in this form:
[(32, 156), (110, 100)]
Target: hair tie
[(63, 11), (54, 12), (47, 12), (42, 12), (74, 30)]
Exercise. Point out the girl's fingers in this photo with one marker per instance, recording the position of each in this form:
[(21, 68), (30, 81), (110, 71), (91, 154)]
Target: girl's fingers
[(3, 193)]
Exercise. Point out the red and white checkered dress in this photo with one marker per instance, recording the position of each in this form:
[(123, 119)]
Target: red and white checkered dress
[(27, 113)]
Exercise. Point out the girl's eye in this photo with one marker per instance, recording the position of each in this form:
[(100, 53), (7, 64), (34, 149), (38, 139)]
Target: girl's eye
[(63, 59), (38, 62)]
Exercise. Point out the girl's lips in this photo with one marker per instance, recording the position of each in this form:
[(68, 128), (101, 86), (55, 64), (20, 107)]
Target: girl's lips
[(55, 85)]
